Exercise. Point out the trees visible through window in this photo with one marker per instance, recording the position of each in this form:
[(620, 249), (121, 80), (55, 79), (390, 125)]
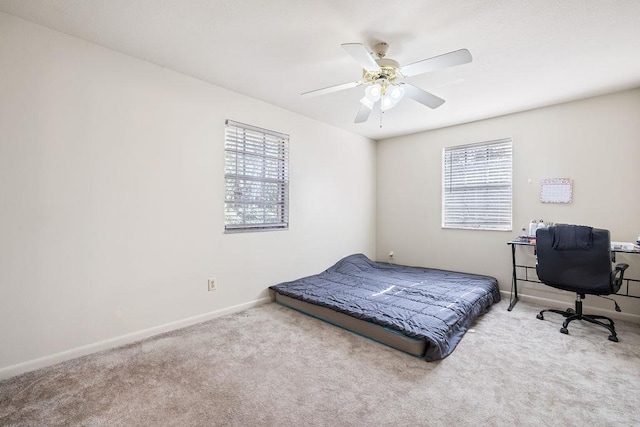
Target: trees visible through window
[(256, 178)]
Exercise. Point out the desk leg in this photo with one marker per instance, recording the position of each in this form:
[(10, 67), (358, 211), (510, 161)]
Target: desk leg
[(513, 298)]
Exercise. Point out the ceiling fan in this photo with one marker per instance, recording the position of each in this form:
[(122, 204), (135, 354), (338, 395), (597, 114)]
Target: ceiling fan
[(382, 76)]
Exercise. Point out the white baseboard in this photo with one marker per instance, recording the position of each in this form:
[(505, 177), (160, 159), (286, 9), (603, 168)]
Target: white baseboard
[(43, 362), (561, 305)]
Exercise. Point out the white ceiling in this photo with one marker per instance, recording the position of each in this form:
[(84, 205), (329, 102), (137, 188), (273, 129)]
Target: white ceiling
[(526, 54)]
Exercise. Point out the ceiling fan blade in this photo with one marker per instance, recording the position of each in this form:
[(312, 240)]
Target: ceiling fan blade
[(362, 55), (331, 89), (423, 97), (450, 59), (363, 114)]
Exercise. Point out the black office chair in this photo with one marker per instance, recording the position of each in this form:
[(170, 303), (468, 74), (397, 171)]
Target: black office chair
[(578, 259)]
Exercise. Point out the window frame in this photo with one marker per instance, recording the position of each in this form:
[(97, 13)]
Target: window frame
[(478, 193), (256, 178)]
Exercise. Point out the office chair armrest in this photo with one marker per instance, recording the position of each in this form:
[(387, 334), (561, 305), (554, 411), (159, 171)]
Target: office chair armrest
[(617, 275)]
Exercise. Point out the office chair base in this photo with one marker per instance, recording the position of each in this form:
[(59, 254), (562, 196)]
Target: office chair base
[(571, 315), (568, 312)]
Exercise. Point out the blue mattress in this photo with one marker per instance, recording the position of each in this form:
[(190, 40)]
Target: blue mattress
[(437, 306)]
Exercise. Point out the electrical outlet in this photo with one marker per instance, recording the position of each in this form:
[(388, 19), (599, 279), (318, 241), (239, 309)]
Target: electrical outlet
[(211, 284)]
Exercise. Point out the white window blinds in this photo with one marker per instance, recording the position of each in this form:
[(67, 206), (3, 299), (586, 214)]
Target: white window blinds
[(477, 191), (256, 178)]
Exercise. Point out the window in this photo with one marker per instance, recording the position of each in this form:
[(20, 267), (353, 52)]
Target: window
[(256, 178), (477, 190)]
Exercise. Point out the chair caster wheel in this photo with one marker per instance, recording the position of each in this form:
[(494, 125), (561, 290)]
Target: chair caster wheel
[(540, 316), (613, 338), (564, 330), (570, 311)]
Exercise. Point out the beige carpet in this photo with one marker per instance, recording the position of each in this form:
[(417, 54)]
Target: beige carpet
[(273, 366)]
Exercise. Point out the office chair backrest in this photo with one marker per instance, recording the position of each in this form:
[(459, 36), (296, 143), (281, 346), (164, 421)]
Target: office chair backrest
[(575, 258)]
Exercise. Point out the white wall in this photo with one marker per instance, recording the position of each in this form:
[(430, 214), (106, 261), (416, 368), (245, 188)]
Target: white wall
[(111, 199), (594, 141)]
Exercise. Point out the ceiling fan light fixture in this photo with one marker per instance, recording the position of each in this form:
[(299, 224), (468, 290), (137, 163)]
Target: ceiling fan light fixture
[(367, 102), (373, 92), (392, 95), (396, 92), (387, 103)]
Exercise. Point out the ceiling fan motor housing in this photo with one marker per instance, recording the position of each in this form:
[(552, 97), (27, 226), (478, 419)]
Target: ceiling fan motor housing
[(381, 49), (389, 72)]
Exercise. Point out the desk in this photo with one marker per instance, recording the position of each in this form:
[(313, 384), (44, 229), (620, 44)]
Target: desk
[(513, 297)]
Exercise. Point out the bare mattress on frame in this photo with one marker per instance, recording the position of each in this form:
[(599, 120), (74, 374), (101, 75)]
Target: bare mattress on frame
[(421, 311)]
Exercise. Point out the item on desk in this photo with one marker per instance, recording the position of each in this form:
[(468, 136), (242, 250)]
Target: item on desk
[(533, 226), (540, 225), (623, 246), (638, 240)]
